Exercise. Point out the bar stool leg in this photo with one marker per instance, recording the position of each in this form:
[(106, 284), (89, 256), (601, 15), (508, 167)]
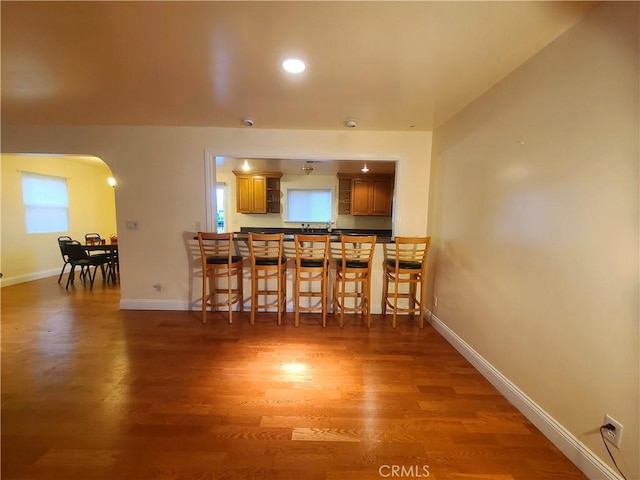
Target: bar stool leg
[(368, 298), (385, 290), (205, 297), (280, 296), (395, 301), (296, 298), (323, 289), (229, 288), (254, 299)]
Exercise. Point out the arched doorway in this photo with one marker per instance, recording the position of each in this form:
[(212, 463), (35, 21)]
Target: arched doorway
[(30, 253)]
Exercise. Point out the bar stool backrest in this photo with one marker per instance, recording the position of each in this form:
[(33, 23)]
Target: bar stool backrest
[(216, 248), (357, 251), (312, 250), (410, 253), (266, 248)]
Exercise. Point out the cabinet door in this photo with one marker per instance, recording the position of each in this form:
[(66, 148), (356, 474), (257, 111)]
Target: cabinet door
[(251, 194), (259, 194), (360, 197), (244, 194), (381, 197)]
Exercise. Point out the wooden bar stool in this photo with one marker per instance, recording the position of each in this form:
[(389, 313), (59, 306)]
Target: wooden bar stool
[(219, 262), (312, 267), (354, 268), (268, 264), (406, 264)]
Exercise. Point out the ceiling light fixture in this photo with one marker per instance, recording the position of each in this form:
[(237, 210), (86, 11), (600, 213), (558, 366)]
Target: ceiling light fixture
[(245, 166), (307, 168), (248, 121), (364, 169), (293, 65), (350, 123)]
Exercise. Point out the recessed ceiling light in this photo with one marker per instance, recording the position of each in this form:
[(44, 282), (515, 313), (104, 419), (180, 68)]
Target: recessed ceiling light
[(293, 65)]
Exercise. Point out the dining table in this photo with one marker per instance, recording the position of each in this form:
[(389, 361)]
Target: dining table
[(112, 250)]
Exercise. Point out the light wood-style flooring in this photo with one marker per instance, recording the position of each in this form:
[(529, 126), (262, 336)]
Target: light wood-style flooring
[(92, 392)]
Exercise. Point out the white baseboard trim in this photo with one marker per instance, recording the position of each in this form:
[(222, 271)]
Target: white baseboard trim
[(6, 281), (590, 464), (146, 304)]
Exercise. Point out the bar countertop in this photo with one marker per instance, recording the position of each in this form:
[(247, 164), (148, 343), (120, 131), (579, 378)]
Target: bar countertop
[(383, 236)]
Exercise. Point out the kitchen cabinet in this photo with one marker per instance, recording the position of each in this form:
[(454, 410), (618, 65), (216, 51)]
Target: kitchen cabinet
[(344, 196), (369, 195), (273, 194), (258, 192)]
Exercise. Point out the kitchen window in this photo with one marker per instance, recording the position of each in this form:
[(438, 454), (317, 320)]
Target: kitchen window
[(309, 205)]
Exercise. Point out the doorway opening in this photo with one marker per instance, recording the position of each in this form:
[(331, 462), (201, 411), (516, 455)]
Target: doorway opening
[(221, 197), (31, 251)]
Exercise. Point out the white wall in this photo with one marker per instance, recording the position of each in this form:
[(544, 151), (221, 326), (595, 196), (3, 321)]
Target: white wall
[(535, 219), (160, 174)]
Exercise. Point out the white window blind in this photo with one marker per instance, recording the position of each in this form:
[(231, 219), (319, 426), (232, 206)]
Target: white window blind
[(309, 205), (46, 203)]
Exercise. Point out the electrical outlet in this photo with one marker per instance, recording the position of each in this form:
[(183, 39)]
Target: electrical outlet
[(614, 437), (435, 301), (198, 226)]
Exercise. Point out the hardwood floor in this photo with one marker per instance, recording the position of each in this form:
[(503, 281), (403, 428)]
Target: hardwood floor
[(92, 392)]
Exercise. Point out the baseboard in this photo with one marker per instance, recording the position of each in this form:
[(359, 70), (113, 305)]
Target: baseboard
[(146, 304), (6, 281), (590, 464)]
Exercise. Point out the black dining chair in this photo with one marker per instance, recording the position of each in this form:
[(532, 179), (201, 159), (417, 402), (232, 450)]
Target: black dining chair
[(78, 257), (62, 240), (94, 238)]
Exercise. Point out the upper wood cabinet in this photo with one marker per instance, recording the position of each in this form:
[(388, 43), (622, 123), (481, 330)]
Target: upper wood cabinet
[(370, 195), (344, 195), (258, 192)]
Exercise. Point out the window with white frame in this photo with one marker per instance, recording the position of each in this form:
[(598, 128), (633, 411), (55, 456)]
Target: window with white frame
[(309, 205), (46, 203)]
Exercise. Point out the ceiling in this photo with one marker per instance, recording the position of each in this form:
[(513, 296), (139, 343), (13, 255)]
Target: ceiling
[(390, 65)]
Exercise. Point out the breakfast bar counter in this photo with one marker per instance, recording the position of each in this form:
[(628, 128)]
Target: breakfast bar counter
[(383, 242), (383, 236)]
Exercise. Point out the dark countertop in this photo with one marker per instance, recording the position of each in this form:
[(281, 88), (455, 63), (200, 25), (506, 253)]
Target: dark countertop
[(383, 236)]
